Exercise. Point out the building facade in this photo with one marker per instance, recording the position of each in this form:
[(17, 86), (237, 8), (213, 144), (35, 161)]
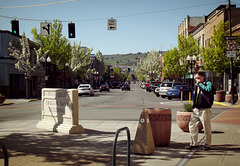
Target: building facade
[(204, 30)]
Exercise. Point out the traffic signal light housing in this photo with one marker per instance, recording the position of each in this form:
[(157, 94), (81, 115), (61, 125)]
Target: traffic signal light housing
[(15, 27), (71, 30)]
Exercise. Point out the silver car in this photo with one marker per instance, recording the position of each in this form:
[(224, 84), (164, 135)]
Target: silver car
[(165, 86), (85, 89)]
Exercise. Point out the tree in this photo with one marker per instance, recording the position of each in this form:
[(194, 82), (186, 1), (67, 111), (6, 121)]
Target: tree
[(172, 63), (214, 56), (186, 46), (149, 66), (58, 46), (79, 61), (26, 61), (100, 67)]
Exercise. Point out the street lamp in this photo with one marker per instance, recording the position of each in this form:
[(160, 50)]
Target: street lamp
[(45, 62), (191, 61)]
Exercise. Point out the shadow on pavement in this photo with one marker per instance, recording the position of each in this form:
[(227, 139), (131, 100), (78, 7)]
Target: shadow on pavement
[(89, 148)]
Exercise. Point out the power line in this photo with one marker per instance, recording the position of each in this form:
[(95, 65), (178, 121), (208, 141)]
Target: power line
[(121, 16), (45, 4)]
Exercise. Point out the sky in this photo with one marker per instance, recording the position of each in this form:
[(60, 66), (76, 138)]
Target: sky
[(142, 25)]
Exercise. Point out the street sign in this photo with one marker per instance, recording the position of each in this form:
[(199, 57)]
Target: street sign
[(231, 54), (230, 45), (112, 24), (230, 37), (46, 29)]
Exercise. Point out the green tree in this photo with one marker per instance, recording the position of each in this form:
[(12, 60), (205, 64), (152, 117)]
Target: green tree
[(214, 56), (27, 62), (172, 63), (58, 46), (186, 46)]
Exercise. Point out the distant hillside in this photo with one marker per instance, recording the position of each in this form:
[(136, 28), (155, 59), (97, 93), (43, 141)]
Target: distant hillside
[(124, 59)]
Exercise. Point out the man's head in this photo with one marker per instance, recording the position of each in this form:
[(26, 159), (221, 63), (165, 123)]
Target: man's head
[(199, 77)]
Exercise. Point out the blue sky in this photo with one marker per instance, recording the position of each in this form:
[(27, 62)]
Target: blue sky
[(142, 25)]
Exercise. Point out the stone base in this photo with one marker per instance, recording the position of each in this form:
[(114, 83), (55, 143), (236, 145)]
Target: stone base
[(144, 142), (61, 128)]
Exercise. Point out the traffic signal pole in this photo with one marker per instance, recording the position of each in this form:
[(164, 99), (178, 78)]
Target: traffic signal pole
[(231, 67)]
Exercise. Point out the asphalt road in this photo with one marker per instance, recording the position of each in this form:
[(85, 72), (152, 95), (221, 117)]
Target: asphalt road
[(113, 105)]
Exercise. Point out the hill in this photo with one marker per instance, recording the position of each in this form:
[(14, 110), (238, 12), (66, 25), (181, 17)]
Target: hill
[(130, 59)]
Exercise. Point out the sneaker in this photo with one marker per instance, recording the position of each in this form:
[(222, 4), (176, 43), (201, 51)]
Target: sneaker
[(191, 147)]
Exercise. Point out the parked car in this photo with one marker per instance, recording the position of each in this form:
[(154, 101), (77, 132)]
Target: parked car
[(175, 92), (125, 86), (116, 85), (157, 90), (142, 85), (147, 86), (165, 86), (85, 89), (104, 87), (153, 86)]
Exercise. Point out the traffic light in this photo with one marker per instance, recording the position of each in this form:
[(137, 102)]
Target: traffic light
[(15, 27), (71, 30)]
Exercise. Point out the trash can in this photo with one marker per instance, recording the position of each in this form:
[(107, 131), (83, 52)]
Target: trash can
[(160, 120)]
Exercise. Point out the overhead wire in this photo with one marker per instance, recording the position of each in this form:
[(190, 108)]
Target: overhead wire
[(104, 18), (45, 4)]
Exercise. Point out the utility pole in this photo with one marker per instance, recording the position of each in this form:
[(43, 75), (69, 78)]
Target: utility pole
[(231, 67)]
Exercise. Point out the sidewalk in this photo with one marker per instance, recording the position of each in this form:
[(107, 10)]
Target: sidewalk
[(28, 145)]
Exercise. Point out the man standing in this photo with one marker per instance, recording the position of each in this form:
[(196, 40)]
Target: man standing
[(202, 104)]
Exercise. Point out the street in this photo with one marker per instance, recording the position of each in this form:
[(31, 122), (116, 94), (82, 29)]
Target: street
[(113, 105)]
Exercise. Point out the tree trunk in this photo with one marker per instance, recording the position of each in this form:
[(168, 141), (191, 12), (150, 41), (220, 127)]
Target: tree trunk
[(27, 88)]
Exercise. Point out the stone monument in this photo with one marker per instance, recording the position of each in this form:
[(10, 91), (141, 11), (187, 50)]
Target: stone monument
[(59, 111)]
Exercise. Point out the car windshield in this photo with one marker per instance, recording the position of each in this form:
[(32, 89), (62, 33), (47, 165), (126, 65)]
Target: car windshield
[(84, 86), (178, 87), (166, 85)]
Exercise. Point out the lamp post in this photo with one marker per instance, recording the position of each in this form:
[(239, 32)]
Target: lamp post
[(95, 79), (191, 61), (46, 62)]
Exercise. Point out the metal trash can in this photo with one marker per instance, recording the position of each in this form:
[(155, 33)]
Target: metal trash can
[(160, 120)]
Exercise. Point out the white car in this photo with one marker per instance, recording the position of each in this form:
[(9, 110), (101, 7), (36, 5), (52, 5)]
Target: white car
[(165, 86), (85, 89)]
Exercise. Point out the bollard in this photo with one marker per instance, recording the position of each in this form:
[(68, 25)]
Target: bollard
[(144, 142)]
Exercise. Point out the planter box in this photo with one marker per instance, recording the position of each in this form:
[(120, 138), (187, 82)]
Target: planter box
[(183, 119), (220, 95)]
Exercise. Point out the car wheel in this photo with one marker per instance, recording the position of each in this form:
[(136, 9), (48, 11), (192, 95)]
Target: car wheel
[(169, 98), (157, 95)]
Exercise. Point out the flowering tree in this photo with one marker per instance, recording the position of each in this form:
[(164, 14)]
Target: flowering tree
[(80, 60), (27, 62), (149, 66)]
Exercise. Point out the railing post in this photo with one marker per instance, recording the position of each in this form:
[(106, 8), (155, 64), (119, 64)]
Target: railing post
[(128, 145), (5, 153)]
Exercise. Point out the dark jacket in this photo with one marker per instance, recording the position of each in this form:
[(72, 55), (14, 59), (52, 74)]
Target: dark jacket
[(204, 97)]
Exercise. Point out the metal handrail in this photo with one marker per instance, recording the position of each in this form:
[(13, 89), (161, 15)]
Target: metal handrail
[(128, 145), (5, 153)]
